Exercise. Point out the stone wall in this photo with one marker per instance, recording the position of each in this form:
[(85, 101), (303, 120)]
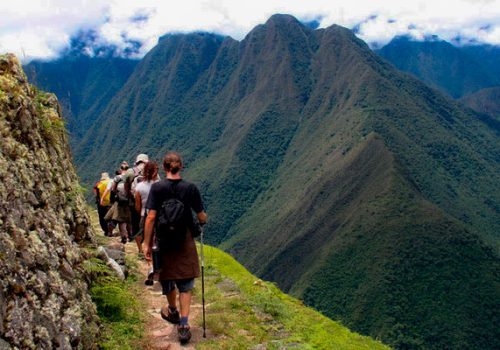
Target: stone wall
[(44, 301)]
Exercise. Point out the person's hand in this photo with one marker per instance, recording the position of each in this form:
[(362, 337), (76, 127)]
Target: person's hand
[(147, 253)]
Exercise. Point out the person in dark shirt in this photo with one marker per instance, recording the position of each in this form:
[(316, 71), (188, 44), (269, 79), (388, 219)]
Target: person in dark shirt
[(179, 263)]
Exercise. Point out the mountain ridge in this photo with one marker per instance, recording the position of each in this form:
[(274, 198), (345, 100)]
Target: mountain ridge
[(84, 85), (456, 71), (300, 118)]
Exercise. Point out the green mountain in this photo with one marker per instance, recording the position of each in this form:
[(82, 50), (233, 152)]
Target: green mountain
[(457, 71), (350, 184), (484, 101), (488, 56), (83, 84)]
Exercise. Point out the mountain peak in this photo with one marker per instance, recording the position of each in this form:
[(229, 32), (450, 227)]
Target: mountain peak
[(191, 36), (429, 39), (280, 19)]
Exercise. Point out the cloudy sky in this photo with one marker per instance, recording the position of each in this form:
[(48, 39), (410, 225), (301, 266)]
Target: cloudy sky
[(44, 28)]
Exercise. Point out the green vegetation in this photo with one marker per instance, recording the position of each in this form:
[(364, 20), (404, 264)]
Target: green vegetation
[(244, 312), (118, 305), (52, 123), (326, 170), (457, 71), (82, 84), (484, 101)]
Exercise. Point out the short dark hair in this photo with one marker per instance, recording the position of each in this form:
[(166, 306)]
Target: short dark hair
[(172, 162)]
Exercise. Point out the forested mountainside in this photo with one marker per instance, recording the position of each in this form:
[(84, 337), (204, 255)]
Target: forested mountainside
[(456, 71), (484, 101), (83, 84), (352, 185), (44, 299), (48, 262), (326, 170)]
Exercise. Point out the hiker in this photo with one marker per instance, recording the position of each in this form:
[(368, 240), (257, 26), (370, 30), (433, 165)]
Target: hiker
[(102, 200), (149, 177), (120, 210), (179, 258), (140, 162), (135, 176), (112, 198)]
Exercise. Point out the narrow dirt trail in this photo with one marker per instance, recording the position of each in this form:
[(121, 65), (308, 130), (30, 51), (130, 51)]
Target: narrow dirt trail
[(160, 333)]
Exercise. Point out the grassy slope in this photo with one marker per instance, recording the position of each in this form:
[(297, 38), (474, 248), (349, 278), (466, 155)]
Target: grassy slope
[(244, 311)]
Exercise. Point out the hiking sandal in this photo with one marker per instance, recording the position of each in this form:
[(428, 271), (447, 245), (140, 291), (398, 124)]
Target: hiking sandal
[(172, 317), (184, 333)]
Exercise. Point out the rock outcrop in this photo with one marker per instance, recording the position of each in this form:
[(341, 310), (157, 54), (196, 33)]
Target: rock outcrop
[(44, 300)]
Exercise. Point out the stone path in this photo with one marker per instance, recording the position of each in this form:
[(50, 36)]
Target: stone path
[(160, 333)]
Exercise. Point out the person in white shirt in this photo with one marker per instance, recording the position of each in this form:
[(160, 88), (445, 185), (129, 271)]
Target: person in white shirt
[(150, 176)]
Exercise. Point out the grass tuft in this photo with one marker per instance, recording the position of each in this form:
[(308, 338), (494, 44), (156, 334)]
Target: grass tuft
[(118, 305)]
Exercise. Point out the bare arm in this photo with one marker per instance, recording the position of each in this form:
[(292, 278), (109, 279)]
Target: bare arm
[(148, 234), (109, 189), (138, 202), (104, 195)]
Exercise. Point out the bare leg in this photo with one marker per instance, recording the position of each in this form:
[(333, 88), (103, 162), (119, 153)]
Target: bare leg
[(172, 299), (123, 229), (185, 301), (138, 241), (111, 227)]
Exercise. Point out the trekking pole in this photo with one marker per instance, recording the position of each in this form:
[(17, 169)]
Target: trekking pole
[(202, 281)]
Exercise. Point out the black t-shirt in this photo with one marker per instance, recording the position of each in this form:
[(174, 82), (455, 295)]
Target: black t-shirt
[(185, 191)]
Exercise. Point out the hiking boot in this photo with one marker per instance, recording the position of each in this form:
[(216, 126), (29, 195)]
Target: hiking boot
[(184, 333), (172, 317), (150, 280)]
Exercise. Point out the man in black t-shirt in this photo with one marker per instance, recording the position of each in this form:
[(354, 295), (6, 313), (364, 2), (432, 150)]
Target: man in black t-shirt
[(179, 263)]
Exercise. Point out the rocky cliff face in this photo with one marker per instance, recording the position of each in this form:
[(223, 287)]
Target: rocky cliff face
[(43, 297)]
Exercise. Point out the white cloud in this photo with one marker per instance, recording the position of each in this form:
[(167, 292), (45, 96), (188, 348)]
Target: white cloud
[(41, 28)]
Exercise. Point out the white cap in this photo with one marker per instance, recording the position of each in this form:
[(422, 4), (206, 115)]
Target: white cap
[(141, 158)]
